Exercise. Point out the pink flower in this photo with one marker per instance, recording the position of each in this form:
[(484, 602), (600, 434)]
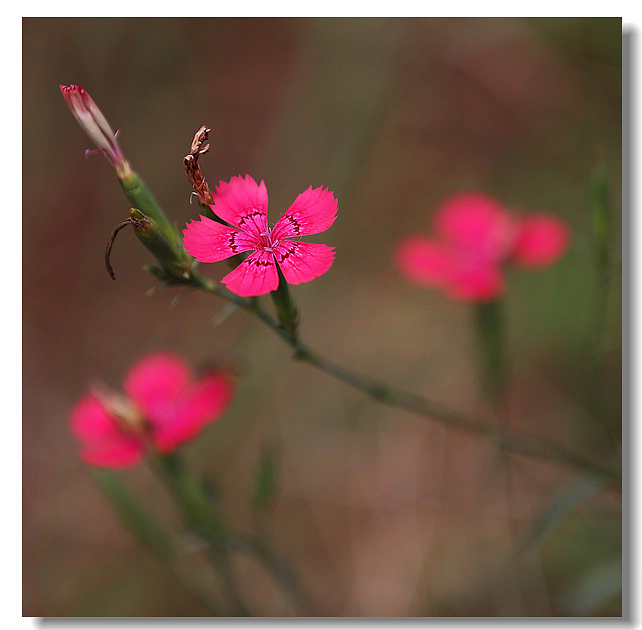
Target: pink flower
[(243, 205), (163, 407), (476, 238)]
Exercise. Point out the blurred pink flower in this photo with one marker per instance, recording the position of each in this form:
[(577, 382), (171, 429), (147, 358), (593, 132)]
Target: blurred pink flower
[(476, 238), (243, 205), (163, 407)]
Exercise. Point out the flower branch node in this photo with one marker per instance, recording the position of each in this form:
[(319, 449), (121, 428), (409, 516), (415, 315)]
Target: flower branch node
[(138, 223)]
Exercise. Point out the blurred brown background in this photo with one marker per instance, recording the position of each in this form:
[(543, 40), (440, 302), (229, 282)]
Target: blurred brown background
[(381, 512)]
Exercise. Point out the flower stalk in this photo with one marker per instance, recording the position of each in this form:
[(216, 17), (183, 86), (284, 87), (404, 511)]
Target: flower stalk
[(512, 441), (490, 338), (141, 198), (200, 514), (600, 206)]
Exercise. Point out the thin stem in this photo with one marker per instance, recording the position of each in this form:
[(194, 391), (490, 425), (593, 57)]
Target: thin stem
[(256, 548), (523, 444), (201, 516), (517, 443), (490, 338), (602, 238)]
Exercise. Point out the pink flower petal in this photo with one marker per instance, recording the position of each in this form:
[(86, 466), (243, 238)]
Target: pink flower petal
[(256, 275), (209, 241), (542, 239), (313, 211), (203, 404), (104, 443), (122, 456), (302, 262), (477, 222), (90, 421), (242, 203), (155, 382), (423, 260)]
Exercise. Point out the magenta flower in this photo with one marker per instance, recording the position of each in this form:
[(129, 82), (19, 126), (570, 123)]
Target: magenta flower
[(476, 238), (243, 205), (163, 407)]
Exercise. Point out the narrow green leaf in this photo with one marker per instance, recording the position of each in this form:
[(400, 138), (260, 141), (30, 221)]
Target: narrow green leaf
[(569, 498), (596, 589), (266, 480), (133, 516), (197, 507), (600, 201)]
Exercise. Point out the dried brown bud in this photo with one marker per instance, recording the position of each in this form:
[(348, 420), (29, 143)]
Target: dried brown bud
[(193, 170)]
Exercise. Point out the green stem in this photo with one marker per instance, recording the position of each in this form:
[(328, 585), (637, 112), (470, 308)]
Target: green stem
[(198, 512), (286, 578), (516, 442), (602, 235), (141, 197), (490, 337), (148, 531), (133, 516), (200, 516)]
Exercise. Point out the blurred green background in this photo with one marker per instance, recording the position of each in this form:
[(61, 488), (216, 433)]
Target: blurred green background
[(381, 512)]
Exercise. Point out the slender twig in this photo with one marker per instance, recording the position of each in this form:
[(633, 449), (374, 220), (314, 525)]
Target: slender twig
[(515, 442), (202, 517), (199, 516), (286, 578)]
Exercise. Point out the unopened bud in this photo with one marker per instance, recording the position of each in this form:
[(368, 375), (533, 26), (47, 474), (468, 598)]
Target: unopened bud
[(95, 125)]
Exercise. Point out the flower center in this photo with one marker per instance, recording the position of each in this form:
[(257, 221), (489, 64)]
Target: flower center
[(266, 243), (125, 413)]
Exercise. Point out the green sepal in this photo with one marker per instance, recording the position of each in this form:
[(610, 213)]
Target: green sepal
[(174, 260), (286, 309), (141, 197)]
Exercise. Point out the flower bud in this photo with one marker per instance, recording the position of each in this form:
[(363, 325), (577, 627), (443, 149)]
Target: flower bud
[(95, 125), (158, 235)]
